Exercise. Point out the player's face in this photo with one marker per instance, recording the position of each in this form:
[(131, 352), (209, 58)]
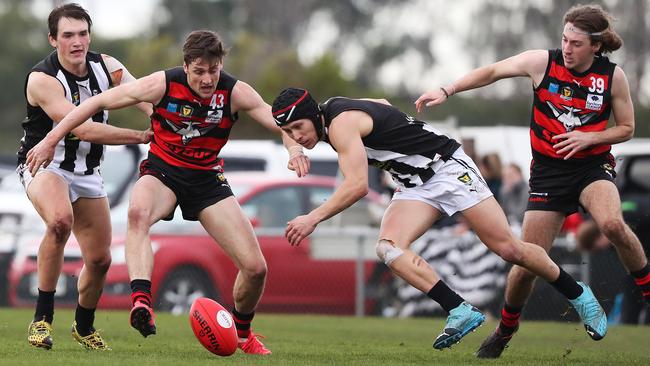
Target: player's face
[(577, 49), (71, 41), (203, 76), (303, 132)]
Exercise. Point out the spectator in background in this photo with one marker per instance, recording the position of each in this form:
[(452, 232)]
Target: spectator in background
[(514, 193), (490, 167)]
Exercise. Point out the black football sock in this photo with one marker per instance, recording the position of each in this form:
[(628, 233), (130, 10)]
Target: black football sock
[(509, 319), (85, 319), (444, 296), (242, 323), (44, 306), (567, 286), (141, 291), (642, 279)]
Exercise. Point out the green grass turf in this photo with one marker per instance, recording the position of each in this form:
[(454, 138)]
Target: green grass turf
[(321, 340)]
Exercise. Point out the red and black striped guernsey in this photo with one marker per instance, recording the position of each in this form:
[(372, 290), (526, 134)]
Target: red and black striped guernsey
[(566, 101), (190, 131)]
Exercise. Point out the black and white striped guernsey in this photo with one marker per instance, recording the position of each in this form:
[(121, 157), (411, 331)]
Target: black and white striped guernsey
[(409, 149), (71, 154)]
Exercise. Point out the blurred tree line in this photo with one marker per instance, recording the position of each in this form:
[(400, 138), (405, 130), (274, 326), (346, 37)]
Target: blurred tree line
[(265, 37)]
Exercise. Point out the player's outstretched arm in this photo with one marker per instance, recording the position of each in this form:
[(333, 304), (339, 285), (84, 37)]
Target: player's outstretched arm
[(529, 63), (149, 89), (345, 137)]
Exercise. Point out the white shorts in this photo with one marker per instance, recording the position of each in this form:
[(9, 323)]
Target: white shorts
[(79, 185), (456, 186)]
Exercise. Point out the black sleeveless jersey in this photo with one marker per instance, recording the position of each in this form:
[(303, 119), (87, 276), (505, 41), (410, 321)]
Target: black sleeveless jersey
[(71, 154), (405, 147)]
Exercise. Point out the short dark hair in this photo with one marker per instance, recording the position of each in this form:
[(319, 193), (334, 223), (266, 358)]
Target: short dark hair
[(203, 44), (594, 19), (73, 11)]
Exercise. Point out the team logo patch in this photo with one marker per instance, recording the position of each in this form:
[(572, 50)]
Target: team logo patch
[(172, 107), (570, 117), (214, 117), (594, 102), (609, 169), (566, 93), (186, 111), (383, 165), (466, 179), (75, 98), (71, 137), (221, 177), (553, 88)]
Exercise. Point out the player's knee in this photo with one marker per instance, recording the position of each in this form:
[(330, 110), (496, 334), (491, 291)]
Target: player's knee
[(387, 251), (138, 216), (256, 271), (60, 228), (520, 274), (613, 228), (510, 252), (99, 264)]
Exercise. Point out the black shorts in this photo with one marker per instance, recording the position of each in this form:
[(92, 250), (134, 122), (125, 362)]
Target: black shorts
[(558, 188), (194, 189)]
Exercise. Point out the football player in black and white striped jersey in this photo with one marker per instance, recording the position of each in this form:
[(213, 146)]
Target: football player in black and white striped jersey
[(433, 175), (69, 194)]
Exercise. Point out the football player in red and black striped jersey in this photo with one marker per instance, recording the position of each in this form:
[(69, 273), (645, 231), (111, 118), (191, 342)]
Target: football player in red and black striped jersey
[(195, 107), (575, 89)]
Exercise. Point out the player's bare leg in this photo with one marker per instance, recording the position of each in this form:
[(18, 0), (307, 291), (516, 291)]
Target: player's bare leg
[(92, 228), (541, 228), (602, 200), (228, 225), (403, 223), (150, 201), (49, 195)]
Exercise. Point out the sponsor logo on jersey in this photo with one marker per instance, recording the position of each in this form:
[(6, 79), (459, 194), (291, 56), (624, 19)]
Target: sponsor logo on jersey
[(553, 88), (594, 102), (172, 107), (214, 116)]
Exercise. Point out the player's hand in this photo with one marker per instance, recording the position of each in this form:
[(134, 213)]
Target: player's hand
[(572, 142), (299, 228), (40, 155), (147, 136), (298, 161), (429, 99)]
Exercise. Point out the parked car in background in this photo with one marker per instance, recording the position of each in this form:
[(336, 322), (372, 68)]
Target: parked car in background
[(189, 264)]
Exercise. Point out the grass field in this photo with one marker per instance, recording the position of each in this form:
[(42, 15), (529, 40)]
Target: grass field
[(321, 340)]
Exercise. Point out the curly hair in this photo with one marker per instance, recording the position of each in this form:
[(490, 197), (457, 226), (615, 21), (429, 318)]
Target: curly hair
[(593, 19)]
